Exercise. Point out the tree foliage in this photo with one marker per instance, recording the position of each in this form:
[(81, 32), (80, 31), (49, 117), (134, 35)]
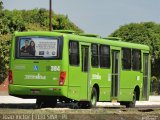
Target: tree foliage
[(26, 20), (4, 55), (147, 33), (1, 5)]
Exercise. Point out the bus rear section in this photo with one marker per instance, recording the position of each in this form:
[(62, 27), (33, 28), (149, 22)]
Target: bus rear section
[(36, 69)]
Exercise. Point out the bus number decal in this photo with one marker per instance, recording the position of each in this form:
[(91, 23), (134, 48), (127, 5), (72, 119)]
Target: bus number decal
[(138, 78), (55, 68), (109, 77)]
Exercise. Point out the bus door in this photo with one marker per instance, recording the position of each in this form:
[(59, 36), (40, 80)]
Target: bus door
[(115, 74), (85, 68), (145, 76)]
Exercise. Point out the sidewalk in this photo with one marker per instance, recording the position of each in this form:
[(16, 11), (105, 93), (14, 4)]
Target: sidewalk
[(154, 98), (153, 101), (15, 100)]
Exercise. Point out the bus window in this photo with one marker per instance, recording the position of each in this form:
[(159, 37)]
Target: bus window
[(37, 47), (126, 58), (73, 53), (94, 58), (136, 59), (104, 56)]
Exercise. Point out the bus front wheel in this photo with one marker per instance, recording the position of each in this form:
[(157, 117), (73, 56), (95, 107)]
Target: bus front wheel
[(93, 100), (132, 103)]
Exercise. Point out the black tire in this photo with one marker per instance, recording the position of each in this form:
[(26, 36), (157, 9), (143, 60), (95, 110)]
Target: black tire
[(39, 103), (84, 105), (46, 102), (130, 104), (91, 103), (133, 103), (93, 97)]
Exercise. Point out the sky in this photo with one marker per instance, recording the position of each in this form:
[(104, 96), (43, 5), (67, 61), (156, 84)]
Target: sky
[(100, 17)]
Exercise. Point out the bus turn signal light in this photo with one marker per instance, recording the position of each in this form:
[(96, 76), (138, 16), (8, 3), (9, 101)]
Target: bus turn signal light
[(10, 77), (62, 78)]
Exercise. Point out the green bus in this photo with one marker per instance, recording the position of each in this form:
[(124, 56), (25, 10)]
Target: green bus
[(81, 68)]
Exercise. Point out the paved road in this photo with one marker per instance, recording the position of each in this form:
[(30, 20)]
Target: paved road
[(154, 101)]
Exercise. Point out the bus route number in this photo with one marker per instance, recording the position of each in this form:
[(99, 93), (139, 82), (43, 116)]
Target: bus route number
[(55, 68)]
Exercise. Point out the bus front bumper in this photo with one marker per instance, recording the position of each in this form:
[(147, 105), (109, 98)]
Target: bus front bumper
[(31, 91)]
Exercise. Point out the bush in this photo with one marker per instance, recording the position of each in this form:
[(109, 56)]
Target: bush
[(4, 55), (155, 86)]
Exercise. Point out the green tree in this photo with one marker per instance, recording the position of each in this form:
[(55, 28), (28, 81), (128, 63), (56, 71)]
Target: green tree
[(26, 20), (147, 33), (1, 5), (4, 55), (1, 9)]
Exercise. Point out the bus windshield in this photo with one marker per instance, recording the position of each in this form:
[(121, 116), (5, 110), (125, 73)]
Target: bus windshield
[(38, 47)]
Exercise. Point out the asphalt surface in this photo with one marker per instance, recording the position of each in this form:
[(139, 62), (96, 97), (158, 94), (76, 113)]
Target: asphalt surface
[(10, 101), (13, 108)]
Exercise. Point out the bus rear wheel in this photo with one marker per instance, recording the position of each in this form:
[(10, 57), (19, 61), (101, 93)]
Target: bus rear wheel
[(84, 105), (132, 103), (91, 103), (46, 102)]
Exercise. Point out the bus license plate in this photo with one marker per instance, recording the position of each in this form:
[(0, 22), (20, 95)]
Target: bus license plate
[(35, 91)]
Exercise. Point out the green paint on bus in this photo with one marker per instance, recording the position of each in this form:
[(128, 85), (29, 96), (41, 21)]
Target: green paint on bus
[(86, 69)]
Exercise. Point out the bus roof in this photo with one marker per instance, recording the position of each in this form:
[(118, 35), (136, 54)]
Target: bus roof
[(92, 39)]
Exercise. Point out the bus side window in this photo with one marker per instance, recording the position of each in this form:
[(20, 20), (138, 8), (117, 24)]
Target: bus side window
[(94, 58), (126, 58), (104, 56), (73, 53), (136, 59)]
